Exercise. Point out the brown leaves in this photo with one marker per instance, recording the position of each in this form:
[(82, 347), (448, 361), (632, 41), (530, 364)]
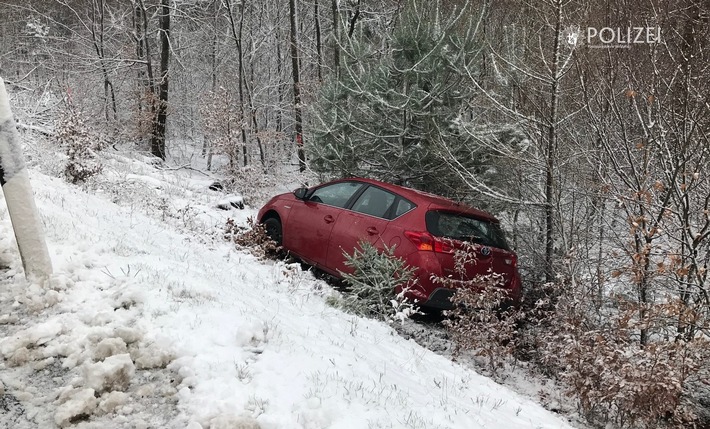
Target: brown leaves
[(682, 272), (478, 324), (253, 237), (616, 379)]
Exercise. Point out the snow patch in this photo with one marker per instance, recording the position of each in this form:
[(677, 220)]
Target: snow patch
[(253, 334), (128, 335), (31, 337), (311, 414), (155, 183), (232, 421), (19, 357), (152, 356), (111, 400), (109, 347), (114, 373), (231, 202), (80, 402)]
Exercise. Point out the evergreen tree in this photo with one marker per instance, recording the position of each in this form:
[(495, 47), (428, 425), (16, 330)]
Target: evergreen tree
[(396, 109), (377, 283)]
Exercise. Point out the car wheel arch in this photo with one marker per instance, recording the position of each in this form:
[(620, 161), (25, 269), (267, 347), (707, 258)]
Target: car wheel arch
[(270, 218), (271, 214)]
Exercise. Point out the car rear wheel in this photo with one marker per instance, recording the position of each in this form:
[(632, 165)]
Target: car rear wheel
[(274, 230)]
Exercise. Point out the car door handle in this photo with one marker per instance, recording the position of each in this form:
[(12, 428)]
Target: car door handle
[(329, 219), (372, 230)]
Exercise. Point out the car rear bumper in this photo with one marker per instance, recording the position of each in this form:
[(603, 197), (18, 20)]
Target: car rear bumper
[(427, 292), (440, 299)]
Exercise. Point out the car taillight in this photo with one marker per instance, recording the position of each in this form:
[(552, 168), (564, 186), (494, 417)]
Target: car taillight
[(427, 242)]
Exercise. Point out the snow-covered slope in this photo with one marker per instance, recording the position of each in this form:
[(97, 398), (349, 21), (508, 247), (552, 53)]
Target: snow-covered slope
[(152, 321)]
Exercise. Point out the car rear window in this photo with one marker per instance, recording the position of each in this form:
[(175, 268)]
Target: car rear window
[(465, 228)]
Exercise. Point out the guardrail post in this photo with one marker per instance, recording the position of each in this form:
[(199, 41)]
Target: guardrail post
[(15, 182)]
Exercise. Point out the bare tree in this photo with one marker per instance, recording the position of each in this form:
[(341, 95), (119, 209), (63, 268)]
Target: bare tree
[(157, 144), (651, 128), (298, 119)]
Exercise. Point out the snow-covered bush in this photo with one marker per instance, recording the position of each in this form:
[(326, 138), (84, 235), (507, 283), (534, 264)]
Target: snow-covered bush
[(479, 322), (222, 123), (614, 377), (79, 143), (482, 321), (376, 277)]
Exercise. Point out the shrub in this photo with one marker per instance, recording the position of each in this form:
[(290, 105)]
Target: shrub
[(372, 285), (252, 237), (480, 324), (79, 143), (614, 377), (591, 341), (480, 321)]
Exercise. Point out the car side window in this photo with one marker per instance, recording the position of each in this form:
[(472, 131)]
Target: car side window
[(403, 206), (336, 194), (374, 202)]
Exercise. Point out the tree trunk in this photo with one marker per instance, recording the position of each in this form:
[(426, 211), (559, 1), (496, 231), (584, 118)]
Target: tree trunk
[(319, 53), (145, 78), (296, 88), (279, 68), (98, 41), (157, 144), (353, 19), (250, 94), (207, 147), (240, 57), (336, 35), (551, 148)]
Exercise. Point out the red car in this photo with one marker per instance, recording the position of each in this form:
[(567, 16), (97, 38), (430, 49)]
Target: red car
[(321, 223)]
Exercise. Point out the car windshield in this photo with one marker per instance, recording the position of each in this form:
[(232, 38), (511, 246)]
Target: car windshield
[(465, 228)]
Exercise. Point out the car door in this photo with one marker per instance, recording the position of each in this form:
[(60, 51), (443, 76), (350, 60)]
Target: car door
[(366, 220), (311, 220)]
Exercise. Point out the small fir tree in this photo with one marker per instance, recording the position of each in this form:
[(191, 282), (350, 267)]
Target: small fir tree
[(374, 284)]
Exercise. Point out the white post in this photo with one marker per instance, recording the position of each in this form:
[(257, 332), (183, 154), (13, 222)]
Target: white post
[(20, 201)]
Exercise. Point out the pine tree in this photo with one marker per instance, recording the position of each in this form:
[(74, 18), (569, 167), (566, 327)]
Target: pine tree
[(395, 110)]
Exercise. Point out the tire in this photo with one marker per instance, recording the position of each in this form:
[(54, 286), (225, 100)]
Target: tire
[(274, 230)]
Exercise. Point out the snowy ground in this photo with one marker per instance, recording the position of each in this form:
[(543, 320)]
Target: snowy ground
[(153, 321)]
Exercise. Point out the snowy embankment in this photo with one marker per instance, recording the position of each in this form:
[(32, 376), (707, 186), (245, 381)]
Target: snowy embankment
[(152, 321)]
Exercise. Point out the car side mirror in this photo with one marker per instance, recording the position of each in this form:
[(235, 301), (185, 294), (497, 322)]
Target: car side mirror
[(300, 193)]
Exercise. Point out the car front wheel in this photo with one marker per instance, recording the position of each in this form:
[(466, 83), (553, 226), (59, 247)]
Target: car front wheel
[(274, 230)]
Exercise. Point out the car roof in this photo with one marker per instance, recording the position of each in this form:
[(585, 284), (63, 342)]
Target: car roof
[(436, 201)]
